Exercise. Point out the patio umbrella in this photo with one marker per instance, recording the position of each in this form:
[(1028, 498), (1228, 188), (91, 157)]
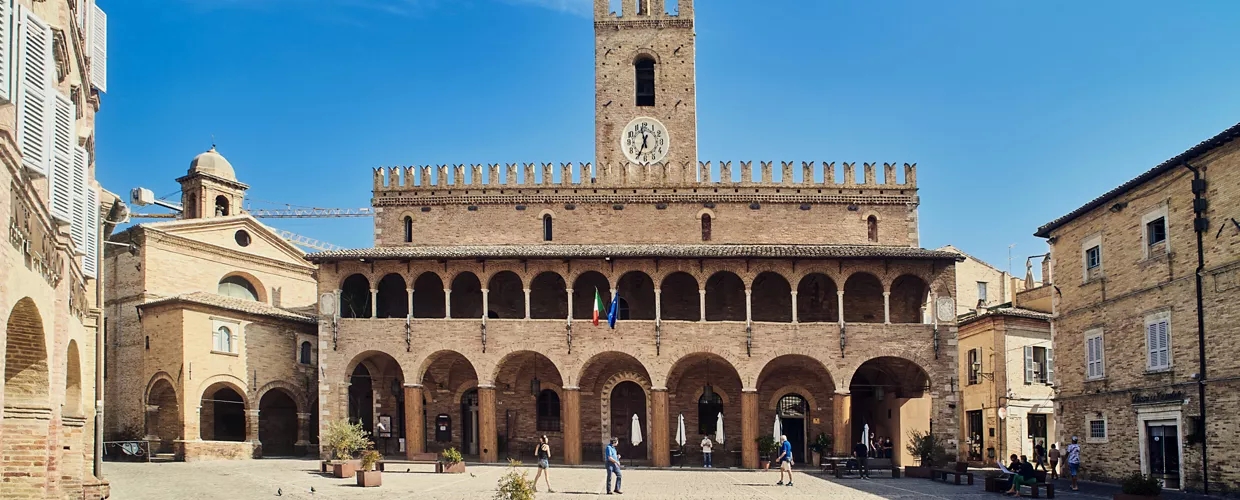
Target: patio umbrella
[(778, 429), (635, 436), (719, 428), (865, 436), (680, 431)]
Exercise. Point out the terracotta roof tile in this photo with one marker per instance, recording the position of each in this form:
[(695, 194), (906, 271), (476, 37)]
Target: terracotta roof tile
[(1017, 312), (722, 251), (234, 304)]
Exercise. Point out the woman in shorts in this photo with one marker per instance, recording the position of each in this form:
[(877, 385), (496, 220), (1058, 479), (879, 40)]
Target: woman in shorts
[(543, 452)]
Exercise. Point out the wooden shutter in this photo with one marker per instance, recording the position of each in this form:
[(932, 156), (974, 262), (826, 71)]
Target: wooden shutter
[(98, 47), (77, 225), (1089, 357), (1050, 366), (6, 51), (1100, 357), (60, 178), (1029, 376), (1158, 344), (90, 263), (34, 94)]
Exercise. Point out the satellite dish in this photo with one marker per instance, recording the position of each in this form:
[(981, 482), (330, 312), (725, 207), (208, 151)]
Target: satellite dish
[(327, 304)]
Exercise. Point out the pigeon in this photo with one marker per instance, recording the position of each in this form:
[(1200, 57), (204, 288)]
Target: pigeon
[(471, 474), (279, 492), (311, 489)]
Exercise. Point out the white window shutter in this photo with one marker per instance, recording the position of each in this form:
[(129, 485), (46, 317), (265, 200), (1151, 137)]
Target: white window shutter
[(77, 226), (1029, 376), (6, 51), (90, 263), (34, 93), (60, 178), (1164, 354), (1151, 345), (1100, 354), (1089, 357), (98, 48), (1050, 366)]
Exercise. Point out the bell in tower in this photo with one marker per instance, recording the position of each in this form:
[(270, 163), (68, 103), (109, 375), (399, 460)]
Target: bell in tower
[(211, 189)]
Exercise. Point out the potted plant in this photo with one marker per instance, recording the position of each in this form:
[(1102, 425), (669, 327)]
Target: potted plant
[(515, 484), (452, 462), (821, 446), (766, 448), (1139, 486), (345, 440), (927, 448), (368, 477)]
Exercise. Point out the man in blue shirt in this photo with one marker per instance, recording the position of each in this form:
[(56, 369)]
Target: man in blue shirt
[(785, 460), (612, 460)]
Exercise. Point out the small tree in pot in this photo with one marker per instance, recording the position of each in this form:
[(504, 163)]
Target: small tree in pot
[(345, 440), (928, 450), (452, 462), (766, 450), (822, 445), (368, 476), (1139, 486)]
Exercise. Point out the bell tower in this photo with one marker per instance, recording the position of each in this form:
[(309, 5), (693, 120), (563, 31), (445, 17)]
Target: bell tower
[(644, 70), (210, 188)]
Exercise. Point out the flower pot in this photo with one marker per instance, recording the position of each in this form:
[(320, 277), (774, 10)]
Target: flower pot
[(325, 466), (817, 458), (764, 464), (1129, 496), (369, 478), (450, 468), (344, 469)]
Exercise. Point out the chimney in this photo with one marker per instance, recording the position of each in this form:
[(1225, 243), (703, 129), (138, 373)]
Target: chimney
[(1046, 269)]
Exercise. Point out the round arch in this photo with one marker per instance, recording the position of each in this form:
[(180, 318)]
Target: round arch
[(73, 382), (26, 377), (222, 413), (297, 395), (355, 297), (260, 291)]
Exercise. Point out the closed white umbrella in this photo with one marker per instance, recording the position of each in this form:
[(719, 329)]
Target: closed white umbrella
[(635, 436), (680, 431), (865, 436), (719, 428), (778, 429)]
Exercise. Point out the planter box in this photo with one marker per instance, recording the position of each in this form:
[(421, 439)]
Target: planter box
[(997, 485), (325, 466), (1126, 496), (369, 478), (921, 472), (343, 469), (452, 468)]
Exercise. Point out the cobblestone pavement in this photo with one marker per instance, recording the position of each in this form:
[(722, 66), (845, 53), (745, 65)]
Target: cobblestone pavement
[(260, 479)]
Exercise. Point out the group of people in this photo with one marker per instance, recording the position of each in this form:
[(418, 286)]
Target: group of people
[(1024, 472), (880, 447)]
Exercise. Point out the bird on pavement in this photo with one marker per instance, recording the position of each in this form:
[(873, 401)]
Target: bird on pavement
[(471, 474), (279, 492)]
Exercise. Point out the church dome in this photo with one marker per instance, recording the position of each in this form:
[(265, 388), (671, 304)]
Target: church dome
[(212, 163)]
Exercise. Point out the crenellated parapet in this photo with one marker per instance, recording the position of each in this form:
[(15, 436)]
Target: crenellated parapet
[(519, 176)]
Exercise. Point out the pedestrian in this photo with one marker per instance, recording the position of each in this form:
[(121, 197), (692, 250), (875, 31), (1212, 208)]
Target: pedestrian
[(873, 446), (613, 466), (1024, 477), (543, 452), (1053, 455), (1039, 456), (785, 460), (706, 446), (861, 452), (1074, 460), (889, 448)]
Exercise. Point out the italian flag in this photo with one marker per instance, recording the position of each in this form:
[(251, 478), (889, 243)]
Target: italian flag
[(598, 306)]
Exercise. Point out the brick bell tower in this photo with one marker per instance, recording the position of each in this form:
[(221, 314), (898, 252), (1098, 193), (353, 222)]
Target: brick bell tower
[(645, 83), (210, 188)]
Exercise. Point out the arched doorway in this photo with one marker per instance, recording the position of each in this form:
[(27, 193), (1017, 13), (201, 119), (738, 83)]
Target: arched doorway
[(361, 398), (701, 386), (608, 404), (376, 395), (527, 397), (793, 411), (469, 422), (800, 390), (449, 388), (223, 413), (890, 398), (629, 399), (25, 388), (277, 424), (164, 422)]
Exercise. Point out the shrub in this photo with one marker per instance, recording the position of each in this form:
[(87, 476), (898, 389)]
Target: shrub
[(822, 443), (926, 447), (369, 459), (1141, 485), (766, 446), (515, 484), (345, 439), (452, 456)]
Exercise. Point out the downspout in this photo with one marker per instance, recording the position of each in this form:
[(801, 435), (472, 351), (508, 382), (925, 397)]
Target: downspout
[(1200, 226), (117, 214)]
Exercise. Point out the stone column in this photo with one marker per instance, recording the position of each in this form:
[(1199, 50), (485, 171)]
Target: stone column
[(842, 424), (486, 303), (658, 306), (488, 441), (527, 302), (152, 421), (886, 308), (303, 433), (749, 428), (840, 303), (374, 303), (702, 304), (748, 306), (570, 304), (415, 427), (794, 308), (572, 425), (660, 452), (409, 293), (447, 303), (251, 432)]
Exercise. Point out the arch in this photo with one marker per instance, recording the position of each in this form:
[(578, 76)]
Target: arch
[(447, 376), (624, 395), (392, 299), (505, 296), (707, 224), (306, 353), (448, 365), (221, 206), (908, 296), (687, 381), (725, 297), (223, 339), (407, 222), (277, 422), (547, 222), (583, 294), (163, 411), (636, 290), (773, 403), (355, 297), (293, 392), (428, 299), (817, 299), (771, 298), (810, 379), (871, 224), (466, 296), (679, 297), (547, 411), (644, 76), (522, 365), (237, 286), (26, 382), (863, 299), (890, 394), (548, 296), (73, 382), (222, 414)]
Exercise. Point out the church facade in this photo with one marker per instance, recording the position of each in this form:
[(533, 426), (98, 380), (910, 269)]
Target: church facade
[(795, 292)]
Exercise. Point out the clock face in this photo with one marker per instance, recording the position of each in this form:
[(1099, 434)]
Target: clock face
[(645, 141)]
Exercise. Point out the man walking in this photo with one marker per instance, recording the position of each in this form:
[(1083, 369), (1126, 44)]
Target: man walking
[(1054, 458), (861, 452), (1074, 460), (707, 444), (785, 460), (613, 466)]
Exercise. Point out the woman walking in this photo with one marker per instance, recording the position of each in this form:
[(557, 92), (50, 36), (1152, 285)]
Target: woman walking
[(543, 452)]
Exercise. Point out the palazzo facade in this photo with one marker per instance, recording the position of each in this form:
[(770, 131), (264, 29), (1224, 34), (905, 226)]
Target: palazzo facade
[(797, 290)]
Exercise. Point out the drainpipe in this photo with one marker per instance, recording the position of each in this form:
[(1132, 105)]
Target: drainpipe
[(1200, 226)]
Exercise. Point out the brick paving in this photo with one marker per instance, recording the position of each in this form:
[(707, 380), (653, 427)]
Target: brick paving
[(259, 479)]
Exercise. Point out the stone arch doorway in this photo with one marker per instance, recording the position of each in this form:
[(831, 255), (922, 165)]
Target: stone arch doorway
[(446, 377), (608, 404), (361, 398), (809, 412), (528, 387), (892, 396), (277, 424), (701, 386), (794, 413), (222, 415), (163, 416), (25, 430), (626, 400)]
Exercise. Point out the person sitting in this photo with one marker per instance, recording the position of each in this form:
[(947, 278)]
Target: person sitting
[(1024, 475)]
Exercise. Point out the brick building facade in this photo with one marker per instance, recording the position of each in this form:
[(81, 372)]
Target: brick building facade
[(51, 76), (211, 334), (469, 324), (1125, 270)]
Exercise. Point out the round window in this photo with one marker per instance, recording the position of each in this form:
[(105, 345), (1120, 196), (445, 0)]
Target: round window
[(243, 238)]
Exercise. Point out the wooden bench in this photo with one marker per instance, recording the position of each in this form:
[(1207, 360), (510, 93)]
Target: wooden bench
[(1040, 485), (956, 469), (871, 465), (416, 458)]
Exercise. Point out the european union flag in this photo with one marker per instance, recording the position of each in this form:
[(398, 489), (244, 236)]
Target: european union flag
[(614, 313)]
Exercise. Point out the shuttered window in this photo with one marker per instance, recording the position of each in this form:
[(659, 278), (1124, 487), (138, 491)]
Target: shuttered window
[(34, 95), (81, 180), (98, 46), (60, 178), (90, 263), (1158, 341), (6, 51), (1095, 367)]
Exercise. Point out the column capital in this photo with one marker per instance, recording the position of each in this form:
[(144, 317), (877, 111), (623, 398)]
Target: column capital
[(571, 388), (374, 290), (839, 292), (252, 412), (447, 290), (750, 389), (303, 416), (569, 290), (886, 294), (842, 393), (527, 290), (413, 386), (658, 389), (484, 290), (486, 386), (409, 290), (794, 292), (748, 290)]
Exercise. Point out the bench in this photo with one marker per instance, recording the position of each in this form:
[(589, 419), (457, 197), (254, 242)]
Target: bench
[(872, 464), (956, 469), (1040, 485), (416, 458)]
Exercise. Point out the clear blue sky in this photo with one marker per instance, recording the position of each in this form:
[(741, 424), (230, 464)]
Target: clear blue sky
[(1015, 112)]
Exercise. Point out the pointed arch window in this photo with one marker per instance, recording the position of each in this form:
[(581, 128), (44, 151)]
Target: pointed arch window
[(644, 68)]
